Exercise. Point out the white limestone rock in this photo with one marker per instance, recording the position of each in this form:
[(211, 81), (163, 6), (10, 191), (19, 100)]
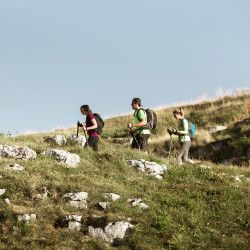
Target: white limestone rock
[(1, 177), (78, 200), (15, 167), (79, 140), (77, 196), (79, 204), (103, 205), (26, 217), (111, 196), (64, 156), (7, 201), (75, 226), (205, 166), (113, 231), (59, 140), (138, 202), (2, 191), (151, 168), (73, 217), (16, 152)]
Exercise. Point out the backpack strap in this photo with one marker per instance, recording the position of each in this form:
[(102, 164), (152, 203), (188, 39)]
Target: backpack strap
[(137, 114)]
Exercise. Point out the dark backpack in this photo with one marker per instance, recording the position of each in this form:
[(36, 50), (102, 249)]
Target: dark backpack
[(151, 119), (191, 127), (100, 123)]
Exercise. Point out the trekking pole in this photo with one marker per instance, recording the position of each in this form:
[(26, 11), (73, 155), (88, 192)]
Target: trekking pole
[(77, 130), (132, 134), (86, 138), (170, 146)]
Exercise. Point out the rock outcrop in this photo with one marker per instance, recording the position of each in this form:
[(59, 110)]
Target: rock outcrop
[(78, 200), (63, 156), (151, 168), (113, 231), (16, 152)]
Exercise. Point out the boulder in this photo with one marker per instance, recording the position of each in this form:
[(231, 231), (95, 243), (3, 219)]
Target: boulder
[(59, 140), (77, 200), (111, 196), (16, 152), (113, 231), (79, 140), (63, 156), (151, 168), (73, 221), (102, 205), (15, 167)]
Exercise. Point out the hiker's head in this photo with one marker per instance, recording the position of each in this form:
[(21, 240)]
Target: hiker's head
[(136, 103), (178, 114), (85, 110)]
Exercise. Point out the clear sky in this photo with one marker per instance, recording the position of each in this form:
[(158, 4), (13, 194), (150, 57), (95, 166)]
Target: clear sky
[(56, 55)]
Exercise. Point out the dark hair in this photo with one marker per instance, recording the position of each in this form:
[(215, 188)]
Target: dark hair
[(86, 108), (136, 101)]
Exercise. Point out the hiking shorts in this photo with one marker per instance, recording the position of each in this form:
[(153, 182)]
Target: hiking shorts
[(142, 140)]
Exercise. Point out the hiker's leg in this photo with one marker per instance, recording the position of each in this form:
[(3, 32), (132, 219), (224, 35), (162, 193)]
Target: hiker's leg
[(144, 142), (181, 153), (93, 142), (186, 146)]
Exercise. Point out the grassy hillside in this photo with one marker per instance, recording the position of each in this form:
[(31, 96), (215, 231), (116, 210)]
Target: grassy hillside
[(192, 207)]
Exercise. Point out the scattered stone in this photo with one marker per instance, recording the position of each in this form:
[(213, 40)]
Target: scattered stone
[(59, 140), (43, 194), (80, 139), (15, 230), (63, 156), (26, 217), (2, 191), (205, 166), (151, 168), (17, 152), (15, 167), (102, 205), (73, 222), (7, 201), (111, 196), (1, 176), (138, 202), (78, 200), (216, 128), (73, 225), (159, 177), (113, 231)]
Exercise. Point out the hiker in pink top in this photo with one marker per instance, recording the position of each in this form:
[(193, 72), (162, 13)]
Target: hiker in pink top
[(91, 126)]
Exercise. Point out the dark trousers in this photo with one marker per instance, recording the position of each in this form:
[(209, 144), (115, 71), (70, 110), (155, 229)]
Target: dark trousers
[(93, 142), (141, 142)]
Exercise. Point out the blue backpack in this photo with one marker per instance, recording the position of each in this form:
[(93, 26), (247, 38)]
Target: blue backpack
[(191, 128)]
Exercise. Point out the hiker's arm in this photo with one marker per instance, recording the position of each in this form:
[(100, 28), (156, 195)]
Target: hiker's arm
[(142, 123), (185, 126), (94, 125)]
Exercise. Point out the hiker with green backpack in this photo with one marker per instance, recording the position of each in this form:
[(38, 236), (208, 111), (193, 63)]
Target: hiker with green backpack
[(94, 126), (184, 131), (144, 121)]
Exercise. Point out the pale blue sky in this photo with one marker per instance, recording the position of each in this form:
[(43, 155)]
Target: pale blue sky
[(56, 55)]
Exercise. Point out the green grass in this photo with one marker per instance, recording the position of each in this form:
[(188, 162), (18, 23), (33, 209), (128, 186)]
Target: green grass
[(191, 208)]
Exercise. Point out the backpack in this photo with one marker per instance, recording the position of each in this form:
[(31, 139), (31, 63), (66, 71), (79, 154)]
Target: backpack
[(191, 128), (100, 123), (151, 119)]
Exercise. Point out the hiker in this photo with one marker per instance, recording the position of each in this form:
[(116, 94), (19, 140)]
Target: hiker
[(90, 127), (140, 140), (183, 134)]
